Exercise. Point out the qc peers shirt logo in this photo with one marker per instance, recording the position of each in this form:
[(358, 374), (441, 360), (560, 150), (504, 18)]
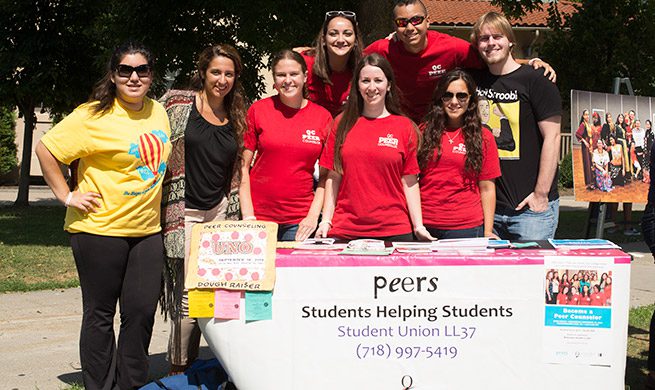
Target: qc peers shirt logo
[(310, 137), (436, 71), (388, 141)]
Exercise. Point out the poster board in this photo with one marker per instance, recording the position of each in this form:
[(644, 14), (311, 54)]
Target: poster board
[(232, 255), (612, 171)]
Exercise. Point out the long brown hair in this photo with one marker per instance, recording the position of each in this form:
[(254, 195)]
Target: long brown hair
[(321, 67), (437, 119), (235, 102), (355, 104), (104, 91)]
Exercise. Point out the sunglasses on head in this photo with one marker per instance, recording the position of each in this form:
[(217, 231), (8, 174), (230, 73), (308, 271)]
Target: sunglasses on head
[(346, 14), (127, 70), (414, 20), (461, 97)]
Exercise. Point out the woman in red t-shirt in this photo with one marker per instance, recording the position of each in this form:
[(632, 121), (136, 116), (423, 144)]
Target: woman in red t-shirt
[(597, 297), (563, 296), (288, 132), (372, 189), (607, 291), (459, 162), (336, 51)]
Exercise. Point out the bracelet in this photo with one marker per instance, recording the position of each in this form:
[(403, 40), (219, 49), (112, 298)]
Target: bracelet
[(250, 218), (531, 61), (326, 221), (69, 197)]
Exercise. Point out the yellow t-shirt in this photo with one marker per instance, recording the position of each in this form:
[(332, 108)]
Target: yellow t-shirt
[(123, 157)]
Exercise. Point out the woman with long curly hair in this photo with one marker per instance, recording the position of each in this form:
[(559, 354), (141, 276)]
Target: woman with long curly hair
[(459, 162), (372, 189), (207, 124)]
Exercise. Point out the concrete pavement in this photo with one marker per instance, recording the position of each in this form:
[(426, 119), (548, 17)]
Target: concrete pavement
[(39, 330)]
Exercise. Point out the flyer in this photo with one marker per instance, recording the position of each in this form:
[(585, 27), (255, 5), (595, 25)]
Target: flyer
[(232, 255), (578, 310)]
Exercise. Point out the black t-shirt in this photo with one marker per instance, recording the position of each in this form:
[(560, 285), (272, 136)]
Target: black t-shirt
[(209, 155), (523, 97)]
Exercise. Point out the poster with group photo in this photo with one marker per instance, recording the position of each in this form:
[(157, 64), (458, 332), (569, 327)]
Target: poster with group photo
[(612, 137)]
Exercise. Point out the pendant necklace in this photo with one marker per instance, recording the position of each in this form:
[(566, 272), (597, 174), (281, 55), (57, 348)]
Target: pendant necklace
[(452, 140)]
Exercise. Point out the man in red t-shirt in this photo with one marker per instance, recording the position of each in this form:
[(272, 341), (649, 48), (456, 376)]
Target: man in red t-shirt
[(419, 57)]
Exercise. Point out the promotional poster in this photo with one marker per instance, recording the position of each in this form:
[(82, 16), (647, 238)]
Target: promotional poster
[(612, 138)]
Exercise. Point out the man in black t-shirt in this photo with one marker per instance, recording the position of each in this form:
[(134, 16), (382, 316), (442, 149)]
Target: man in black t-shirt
[(527, 201)]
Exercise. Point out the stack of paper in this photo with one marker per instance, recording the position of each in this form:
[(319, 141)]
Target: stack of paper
[(595, 243)]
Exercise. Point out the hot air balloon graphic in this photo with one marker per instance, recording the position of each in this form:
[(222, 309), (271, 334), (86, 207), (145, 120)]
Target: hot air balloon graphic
[(150, 150)]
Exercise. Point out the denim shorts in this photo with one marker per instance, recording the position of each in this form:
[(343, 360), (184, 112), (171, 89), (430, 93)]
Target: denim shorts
[(527, 225)]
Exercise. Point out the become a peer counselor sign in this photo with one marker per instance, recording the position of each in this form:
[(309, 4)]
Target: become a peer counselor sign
[(232, 255)]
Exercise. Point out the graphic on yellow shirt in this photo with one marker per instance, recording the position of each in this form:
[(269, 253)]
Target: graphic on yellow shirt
[(150, 150)]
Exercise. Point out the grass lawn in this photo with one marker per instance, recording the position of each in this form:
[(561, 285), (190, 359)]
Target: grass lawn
[(34, 249)]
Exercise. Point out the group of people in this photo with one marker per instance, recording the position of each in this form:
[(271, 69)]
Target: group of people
[(434, 173), (615, 153), (582, 288)]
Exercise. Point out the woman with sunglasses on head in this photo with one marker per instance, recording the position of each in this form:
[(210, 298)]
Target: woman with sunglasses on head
[(207, 127), (121, 139), (459, 162), (330, 63), (287, 131), (372, 189)]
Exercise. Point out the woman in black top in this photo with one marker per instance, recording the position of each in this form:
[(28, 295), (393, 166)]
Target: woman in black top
[(207, 126)]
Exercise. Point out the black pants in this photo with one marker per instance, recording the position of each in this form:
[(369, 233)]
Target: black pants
[(127, 270), (648, 230)]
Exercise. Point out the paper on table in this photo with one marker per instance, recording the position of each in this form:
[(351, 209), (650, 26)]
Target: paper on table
[(228, 304), (259, 305), (201, 303)]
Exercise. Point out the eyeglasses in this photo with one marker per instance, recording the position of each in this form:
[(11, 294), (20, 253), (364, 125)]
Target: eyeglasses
[(346, 14), (461, 97), (127, 70), (414, 20)]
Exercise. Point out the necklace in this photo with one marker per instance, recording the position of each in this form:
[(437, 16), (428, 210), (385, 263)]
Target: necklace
[(452, 140)]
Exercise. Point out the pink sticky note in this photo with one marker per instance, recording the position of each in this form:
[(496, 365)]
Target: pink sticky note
[(227, 304)]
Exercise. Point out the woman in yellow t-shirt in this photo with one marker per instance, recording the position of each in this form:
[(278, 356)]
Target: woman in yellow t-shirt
[(120, 139)]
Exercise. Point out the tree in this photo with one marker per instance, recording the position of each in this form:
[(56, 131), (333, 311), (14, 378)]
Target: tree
[(603, 40), (46, 59)]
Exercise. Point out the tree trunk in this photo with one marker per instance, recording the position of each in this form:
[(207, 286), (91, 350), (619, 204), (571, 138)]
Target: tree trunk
[(26, 161)]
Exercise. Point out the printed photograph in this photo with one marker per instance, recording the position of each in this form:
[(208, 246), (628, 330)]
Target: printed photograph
[(578, 287)]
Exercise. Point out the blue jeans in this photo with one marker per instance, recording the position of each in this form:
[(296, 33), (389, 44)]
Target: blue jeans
[(527, 225), (287, 232), (442, 234)]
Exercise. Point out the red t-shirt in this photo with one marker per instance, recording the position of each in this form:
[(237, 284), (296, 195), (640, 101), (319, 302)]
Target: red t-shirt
[(331, 97), (450, 196), (608, 292), (417, 74), (575, 300), (288, 142), (562, 299), (597, 299), (585, 301), (376, 154)]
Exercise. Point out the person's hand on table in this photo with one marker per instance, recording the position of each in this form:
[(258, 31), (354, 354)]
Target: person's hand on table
[(422, 234), (492, 236), (306, 227), (323, 229)]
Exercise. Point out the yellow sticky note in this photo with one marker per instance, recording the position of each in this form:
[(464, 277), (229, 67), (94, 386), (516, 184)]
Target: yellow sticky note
[(201, 303)]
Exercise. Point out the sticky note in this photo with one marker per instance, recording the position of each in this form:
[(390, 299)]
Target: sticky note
[(201, 303), (227, 304), (259, 305)]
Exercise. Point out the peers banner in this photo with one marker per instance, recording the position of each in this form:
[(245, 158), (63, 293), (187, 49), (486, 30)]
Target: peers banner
[(385, 322), (612, 138), (232, 255)]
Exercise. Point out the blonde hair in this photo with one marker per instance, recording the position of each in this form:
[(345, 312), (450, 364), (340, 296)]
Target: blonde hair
[(497, 22)]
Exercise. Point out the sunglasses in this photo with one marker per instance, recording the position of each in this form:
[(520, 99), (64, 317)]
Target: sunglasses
[(414, 20), (346, 14), (461, 97), (127, 70)]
